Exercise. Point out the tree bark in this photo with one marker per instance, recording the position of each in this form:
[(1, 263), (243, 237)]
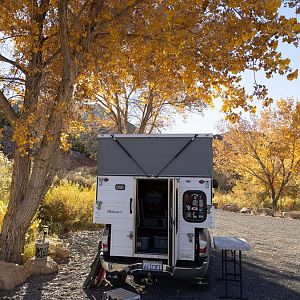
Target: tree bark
[(27, 192), (12, 239)]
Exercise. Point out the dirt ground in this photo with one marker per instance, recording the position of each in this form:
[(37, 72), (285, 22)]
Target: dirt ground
[(271, 270)]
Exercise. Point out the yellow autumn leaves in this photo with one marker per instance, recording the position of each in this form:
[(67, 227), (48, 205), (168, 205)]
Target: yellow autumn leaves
[(265, 152), (188, 53)]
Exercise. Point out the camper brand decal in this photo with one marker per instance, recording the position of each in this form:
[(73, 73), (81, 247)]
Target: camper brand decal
[(112, 211)]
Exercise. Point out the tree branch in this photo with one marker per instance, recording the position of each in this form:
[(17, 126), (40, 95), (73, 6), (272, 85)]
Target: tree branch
[(13, 63), (52, 57), (63, 31), (8, 111), (20, 80), (118, 15)]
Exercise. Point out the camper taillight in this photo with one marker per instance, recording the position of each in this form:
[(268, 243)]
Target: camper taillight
[(202, 245), (105, 240)]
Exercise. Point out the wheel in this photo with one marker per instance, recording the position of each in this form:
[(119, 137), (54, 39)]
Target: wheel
[(122, 277), (208, 276), (204, 284)]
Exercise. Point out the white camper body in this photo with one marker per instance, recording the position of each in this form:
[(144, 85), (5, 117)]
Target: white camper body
[(155, 200)]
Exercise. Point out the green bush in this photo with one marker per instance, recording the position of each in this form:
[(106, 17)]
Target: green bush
[(289, 203), (68, 207), (5, 178), (2, 212)]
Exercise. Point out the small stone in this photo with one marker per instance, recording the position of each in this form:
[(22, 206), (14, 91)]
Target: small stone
[(59, 252), (231, 207), (11, 275), (36, 266), (246, 210), (216, 205), (291, 214), (62, 253), (266, 211)]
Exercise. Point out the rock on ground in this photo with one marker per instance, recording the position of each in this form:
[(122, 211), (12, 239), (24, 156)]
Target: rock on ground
[(35, 266), (59, 252), (291, 214), (246, 210), (266, 211), (11, 275), (231, 207)]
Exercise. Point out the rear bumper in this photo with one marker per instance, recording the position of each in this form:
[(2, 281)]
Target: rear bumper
[(182, 269), (197, 271)]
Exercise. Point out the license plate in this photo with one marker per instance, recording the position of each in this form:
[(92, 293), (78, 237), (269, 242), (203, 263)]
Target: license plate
[(152, 265)]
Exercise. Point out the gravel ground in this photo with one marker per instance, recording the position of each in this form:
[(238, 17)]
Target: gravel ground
[(271, 269)]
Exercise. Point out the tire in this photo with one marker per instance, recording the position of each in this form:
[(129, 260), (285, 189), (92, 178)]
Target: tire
[(205, 283), (208, 276)]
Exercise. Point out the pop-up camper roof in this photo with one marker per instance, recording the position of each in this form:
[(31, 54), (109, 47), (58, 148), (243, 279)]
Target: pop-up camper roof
[(155, 155)]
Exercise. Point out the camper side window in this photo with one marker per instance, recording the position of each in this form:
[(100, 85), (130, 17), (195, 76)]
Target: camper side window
[(194, 206)]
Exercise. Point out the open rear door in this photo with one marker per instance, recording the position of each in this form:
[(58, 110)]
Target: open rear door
[(173, 223), (115, 205)]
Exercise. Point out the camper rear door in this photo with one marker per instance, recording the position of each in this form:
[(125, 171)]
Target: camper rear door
[(115, 205)]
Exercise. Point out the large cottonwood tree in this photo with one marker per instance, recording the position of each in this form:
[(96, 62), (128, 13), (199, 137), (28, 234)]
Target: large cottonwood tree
[(265, 151), (143, 100), (48, 47)]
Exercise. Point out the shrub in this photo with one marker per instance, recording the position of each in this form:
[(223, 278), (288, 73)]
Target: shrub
[(84, 177), (68, 207), (5, 178), (31, 236), (29, 251), (2, 212), (289, 203), (249, 195)]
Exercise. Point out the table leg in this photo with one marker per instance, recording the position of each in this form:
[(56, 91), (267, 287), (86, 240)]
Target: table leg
[(223, 256), (234, 263), (226, 282), (241, 283)]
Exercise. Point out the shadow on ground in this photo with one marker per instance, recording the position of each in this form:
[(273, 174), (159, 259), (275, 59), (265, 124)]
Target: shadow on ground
[(32, 289), (259, 283)]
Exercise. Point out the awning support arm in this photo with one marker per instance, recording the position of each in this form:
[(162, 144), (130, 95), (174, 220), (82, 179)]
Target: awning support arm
[(122, 147), (181, 150)]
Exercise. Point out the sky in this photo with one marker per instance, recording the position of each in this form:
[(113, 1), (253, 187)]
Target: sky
[(278, 86)]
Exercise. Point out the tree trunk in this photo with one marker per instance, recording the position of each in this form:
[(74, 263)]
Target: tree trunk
[(27, 193), (275, 203), (16, 224), (13, 237)]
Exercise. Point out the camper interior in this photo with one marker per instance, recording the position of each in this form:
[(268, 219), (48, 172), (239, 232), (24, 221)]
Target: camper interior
[(152, 216)]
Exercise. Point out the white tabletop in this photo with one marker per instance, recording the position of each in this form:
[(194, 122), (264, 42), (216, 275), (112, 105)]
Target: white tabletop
[(231, 243)]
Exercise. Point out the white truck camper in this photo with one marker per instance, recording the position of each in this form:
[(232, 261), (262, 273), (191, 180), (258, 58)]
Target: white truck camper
[(154, 195)]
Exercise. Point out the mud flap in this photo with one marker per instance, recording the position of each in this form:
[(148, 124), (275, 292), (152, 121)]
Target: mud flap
[(97, 273)]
